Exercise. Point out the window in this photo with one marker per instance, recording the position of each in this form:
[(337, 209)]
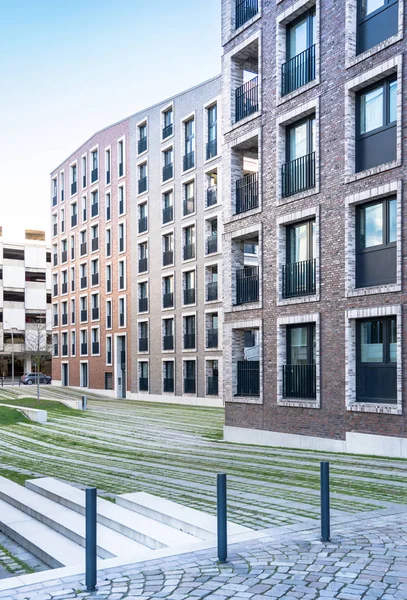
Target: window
[(108, 279), (82, 243), (95, 271), (120, 157), (74, 214), (142, 178), (54, 285), (54, 191), (122, 275), (299, 271), (376, 243), (54, 225), (189, 243), (61, 185), (73, 312), (142, 141), (64, 251), (143, 377), (109, 357), (189, 377), (143, 337), (74, 184), (95, 171), (108, 165), (168, 125), (143, 297), (108, 314), (189, 287), (376, 125), (299, 372), (108, 206), (84, 209), (83, 309), (108, 239), (73, 247), (84, 171), (94, 204), (73, 343), (55, 345), (168, 208), (168, 334), (299, 68), (84, 278), (62, 220), (298, 173), (168, 249), (168, 292), (189, 332), (55, 315), (212, 336), (72, 279), (94, 233), (64, 282), (376, 368), (84, 375), (121, 237), (95, 341), (212, 144), (212, 238), (142, 218), (189, 140), (122, 205), (142, 258), (212, 284), (189, 200), (377, 21), (122, 312), (168, 376), (65, 344), (84, 342), (245, 10), (168, 166)]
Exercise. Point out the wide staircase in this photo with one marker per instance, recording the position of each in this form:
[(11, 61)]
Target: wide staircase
[(47, 518)]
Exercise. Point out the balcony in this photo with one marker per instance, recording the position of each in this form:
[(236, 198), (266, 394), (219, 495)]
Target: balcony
[(83, 181), (248, 378), (189, 160), (54, 200), (168, 172), (298, 71), (84, 349), (212, 291), (298, 175), (246, 99), (212, 338), (168, 300), (64, 256), (95, 314), (245, 10), (247, 193), (142, 185), (189, 386), (143, 304), (247, 285), (189, 251), (94, 175), (121, 169), (82, 249), (168, 384), (189, 296), (84, 316), (143, 344), (74, 188), (189, 341), (142, 224), (95, 244), (211, 149), (299, 278), (168, 257), (143, 384), (94, 211), (168, 214), (64, 318), (142, 145), (74, 220), (211, 195), (188, 206), (64, 288), (212, 388), (167, 131), (299, 381), (212, 244), (168, 342), (95, 348), (84, 282), (142, 265)]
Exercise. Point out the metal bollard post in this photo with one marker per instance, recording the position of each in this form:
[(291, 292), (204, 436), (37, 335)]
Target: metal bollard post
[(325, 517), (91, 553), (222, 518), (84, 401)]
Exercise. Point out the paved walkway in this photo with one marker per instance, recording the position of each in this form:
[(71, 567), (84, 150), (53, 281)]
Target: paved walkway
[(367, 558)]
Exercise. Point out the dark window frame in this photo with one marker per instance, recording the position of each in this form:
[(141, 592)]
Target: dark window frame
[(371, 15), (309, 14), (387, 81), (310, 237), (311, 335), (386, 225), (309, 121)]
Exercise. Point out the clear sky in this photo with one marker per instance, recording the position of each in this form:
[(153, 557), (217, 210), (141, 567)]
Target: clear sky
[(71, 67)]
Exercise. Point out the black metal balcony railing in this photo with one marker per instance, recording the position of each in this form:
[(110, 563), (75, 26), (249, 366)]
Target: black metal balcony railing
[(94, 175), (107, 177), (247, 99), (108, 249), (211, 195), (168, 257), (211, 149), (74, 188), (121, 282), (121, 320), (299, 381), (94, 209), (74, 220), (143, 344), (73, 349), (188, 206), (54, 200), (121, 169), (142, 185), (168, 342), (121, 244), (64, 256), (84, 348), (189, 341), (189, 386), (95, 348), (142, 144), (84, 282), (212, 244), (55, 353), (143, 384), (55, 320), (142, 224), (189, 160), (248, 378), (247, 193), (168, 385), (95, 244), (73, 318), (142, 304), (212, 388), (109, 357), (83, 181), (95, 314), (121, 206), (167, 131), (108, 321), (168, 214), (245, 10), (64, 288), (298, 71), (189, 251), (212, 291), (64, 318), (168, 300), (247, 285), (168, 172), (142, 265), (82, 248), (189, 296), (84, 315), (212, 338), (299, 278), (108, 285), (298, 175), (64, 349)]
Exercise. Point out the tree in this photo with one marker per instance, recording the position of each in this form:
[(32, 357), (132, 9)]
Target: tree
[(38, 344)]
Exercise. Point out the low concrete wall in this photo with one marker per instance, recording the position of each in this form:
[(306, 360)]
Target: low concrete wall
[(34, 414)]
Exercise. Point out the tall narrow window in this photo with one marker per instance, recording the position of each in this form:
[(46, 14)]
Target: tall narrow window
[(298, 173), (299, 373), (108, 166), (189, 156), (168, 167), (120, 152), (142, 141), (95, 165), (168, 125), (299, 68), (189, 377), (84, 171), (212, 144), (299, 271)]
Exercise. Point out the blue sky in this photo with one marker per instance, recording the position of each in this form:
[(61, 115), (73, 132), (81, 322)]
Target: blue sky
[(71, 67)]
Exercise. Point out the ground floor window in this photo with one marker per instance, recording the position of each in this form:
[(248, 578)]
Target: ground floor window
[(299, 372)]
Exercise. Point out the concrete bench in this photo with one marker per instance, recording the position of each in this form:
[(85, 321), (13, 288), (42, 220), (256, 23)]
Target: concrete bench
[(34, 414), (74, 404)]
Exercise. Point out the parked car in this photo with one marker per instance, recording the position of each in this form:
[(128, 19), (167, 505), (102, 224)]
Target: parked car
[(31, 378)]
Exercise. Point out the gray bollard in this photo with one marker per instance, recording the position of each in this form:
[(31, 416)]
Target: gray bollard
[(84, 402), (222, 518), (325, 516), (91, 551)]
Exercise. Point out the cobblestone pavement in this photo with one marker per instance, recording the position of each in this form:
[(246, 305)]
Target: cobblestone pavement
[(14, 560), (366, 558)]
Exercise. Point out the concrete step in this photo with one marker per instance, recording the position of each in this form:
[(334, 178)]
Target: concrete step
[(140, 528), (49, 546), (190, 520), (65, 521)]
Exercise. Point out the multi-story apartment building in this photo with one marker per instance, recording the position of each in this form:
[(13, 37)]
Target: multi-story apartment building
[(314, 184), (25, 305), (137, 233)]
